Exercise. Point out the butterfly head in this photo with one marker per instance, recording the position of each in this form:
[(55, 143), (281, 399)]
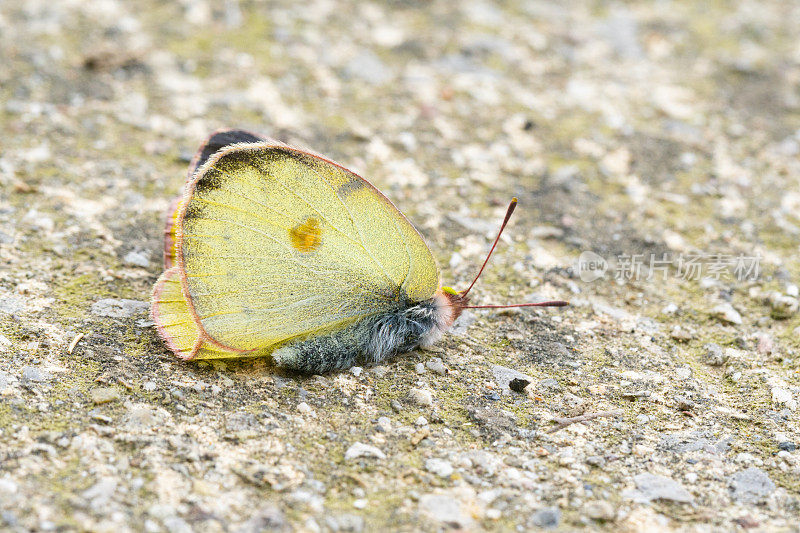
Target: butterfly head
[(453, 301)]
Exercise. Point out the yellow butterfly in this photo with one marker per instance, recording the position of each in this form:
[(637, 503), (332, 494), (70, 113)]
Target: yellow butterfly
[(278, 251)]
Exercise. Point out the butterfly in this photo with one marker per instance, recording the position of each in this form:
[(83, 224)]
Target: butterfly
[(273, 250)]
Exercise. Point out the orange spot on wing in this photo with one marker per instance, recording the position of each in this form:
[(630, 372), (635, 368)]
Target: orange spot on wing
[(306, 237)]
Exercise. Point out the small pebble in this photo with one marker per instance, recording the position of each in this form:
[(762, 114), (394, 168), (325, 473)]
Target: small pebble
[(714, 355), (34, 374), (751, 485), (139, 259), (421, 397), (549, 518), (601, 511), (747, 522), (680, 333), (104, 395), (440, 467), (437, 366), (782, 396), (384, 424), (596, 461), (651, 487), (670, 309), (103, 419), (765, 344), (549, 385), (518, 384), (119, 308), (504, 377), (5, 344), (359, 449), (420, 435), (684, 404), (781, 305), (726, 313)]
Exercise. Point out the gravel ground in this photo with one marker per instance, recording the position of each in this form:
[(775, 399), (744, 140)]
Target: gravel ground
[(664, 137)]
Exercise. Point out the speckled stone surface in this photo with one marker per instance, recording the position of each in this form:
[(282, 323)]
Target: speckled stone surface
[(641, 138)]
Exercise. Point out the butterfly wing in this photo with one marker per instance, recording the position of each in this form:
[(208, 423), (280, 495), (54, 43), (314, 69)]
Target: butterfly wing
[(275, 243), (176, 322), (219, 140)]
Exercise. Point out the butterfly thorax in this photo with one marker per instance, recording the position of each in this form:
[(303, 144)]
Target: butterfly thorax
[(414, 324)]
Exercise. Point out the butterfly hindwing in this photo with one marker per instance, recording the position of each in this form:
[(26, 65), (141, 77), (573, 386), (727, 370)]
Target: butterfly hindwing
[(276, 243), (176, 323)]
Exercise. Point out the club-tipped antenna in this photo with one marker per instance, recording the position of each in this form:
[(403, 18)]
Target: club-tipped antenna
[(509, 212)]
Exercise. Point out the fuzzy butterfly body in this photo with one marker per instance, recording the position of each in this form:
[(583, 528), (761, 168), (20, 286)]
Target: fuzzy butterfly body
[(277, 251)]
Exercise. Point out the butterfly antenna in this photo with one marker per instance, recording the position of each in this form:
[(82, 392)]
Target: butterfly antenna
[(509, 212), (554, 303), (463, 294)]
